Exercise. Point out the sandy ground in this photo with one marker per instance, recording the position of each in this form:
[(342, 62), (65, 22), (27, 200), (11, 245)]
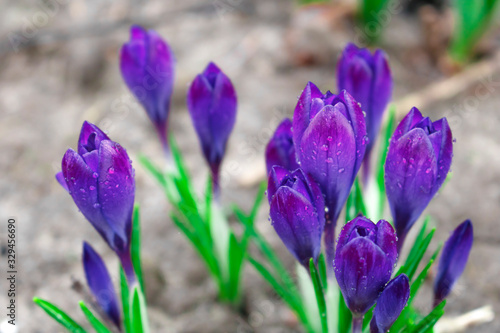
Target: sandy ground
[(71, 75)]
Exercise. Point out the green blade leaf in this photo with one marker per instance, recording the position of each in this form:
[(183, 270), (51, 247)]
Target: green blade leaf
[(136, 246), (236, 254), (345, 315), (426, 324), (322, 271), (59, 315), (320, 297), (355, 204), (93, 320), (124, 291), (389, 128), (421, 277), (138, 312)]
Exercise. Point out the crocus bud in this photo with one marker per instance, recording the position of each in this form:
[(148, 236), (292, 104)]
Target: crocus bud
[(418, 160), (211, 101), (365, 257), (100, 283), (297, 212), (147, 66), (453, 260), (329, 134), (100, 179), (280, 149), (368, 79), (390, 304)]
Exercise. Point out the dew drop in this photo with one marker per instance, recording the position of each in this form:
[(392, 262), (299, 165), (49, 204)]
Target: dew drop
[(341, 170), (111, 170), (91, 187), (95, 175)]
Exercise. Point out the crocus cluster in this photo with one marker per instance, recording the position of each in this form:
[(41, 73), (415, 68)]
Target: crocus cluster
[(100, 179)]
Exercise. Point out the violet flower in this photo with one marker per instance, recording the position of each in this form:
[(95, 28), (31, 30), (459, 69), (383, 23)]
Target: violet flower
[(211, 101), (100, 179), (297, 212), (390, 304), (280, 149), (453, 260), (367, 77), (364, 260), (147, 67), (329, 134), (417, 163), (100, 283)]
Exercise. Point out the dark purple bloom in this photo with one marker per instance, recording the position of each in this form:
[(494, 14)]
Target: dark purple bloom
[(365, 257), (453, 260), (368, 79), (329, 134), (390, 304), (418, 160), (211, 101), (280, 149), (100, 283), (100, 179), (147, 66), (297, 212)]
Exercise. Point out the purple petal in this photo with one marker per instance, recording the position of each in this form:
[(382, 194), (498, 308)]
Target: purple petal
[(60, 179), (280, 149), (386, 239), (275, 179), (454, 257), (390, 304), (82, 186), (362, 270), (410, 178), (446, 150), (100, 283), (408, 122), (301, 115), (116, 191), (90, 138), (328, 153), (296, 222)]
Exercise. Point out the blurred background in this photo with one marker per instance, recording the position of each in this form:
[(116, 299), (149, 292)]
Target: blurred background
[(59, 67)]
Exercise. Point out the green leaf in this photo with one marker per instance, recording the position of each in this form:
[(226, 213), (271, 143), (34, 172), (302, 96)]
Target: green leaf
[(320, 297), (426, 324), (370, 12), (59, 315), (153, 170), (416, 255), (138, 312), (124, 291), (136, 246), (322, 271), (345, 315), (236, 254), (355, 204), (93, 320), (389, 128), (423, 274)]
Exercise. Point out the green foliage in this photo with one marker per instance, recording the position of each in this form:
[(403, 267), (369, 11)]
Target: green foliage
[(59, 315), (93, 320), (136, 246), (125, 296), (370, 14), (472, 19), (320, 297)]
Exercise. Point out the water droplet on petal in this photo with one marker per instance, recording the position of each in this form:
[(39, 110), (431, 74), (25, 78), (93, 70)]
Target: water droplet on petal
[(341, 170)]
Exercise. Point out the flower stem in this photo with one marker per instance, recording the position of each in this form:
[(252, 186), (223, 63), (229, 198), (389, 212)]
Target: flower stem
[(128, 267), (330, 246), (357, 324)]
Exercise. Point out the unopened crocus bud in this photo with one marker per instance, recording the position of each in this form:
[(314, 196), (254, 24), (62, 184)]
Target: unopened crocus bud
[(453, 260), (390, 304), (280, 149), (367, 77), (364, 260), (297, 212), (329, 134), (100, 179), (417, 163), (147, 66), (211, 101), (100, 283)]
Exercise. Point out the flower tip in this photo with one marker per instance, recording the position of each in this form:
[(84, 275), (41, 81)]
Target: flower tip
[(60, 179)]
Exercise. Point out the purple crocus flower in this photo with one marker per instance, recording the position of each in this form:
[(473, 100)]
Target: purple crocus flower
[(365, 257), (390, 304), (368, 79), (100, 179), (297, 212), (280, 149), (418, 160), (147, 66), (100, 283), (329, 134), (453, 260), (211, 101)]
